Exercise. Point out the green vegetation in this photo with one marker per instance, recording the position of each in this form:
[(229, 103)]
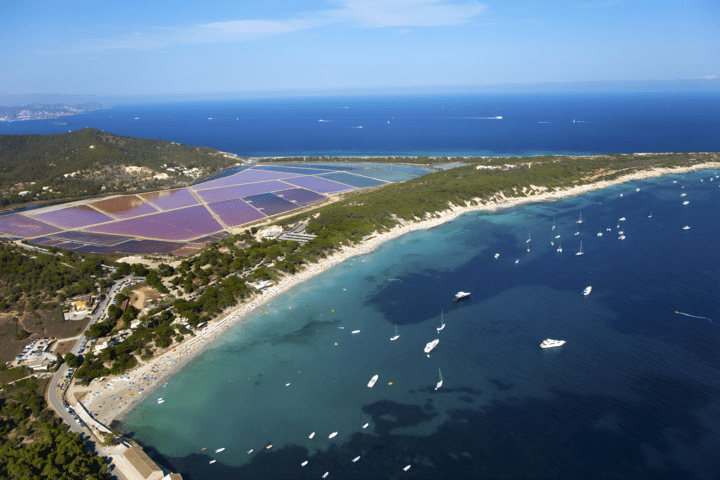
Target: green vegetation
[(90, 162), (31, 280), (34, 442)]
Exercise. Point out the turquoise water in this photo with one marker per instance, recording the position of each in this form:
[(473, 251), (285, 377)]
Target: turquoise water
[(632, 393)]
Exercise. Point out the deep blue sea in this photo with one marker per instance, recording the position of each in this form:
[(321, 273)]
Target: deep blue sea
[(632, 394), (433, 125)]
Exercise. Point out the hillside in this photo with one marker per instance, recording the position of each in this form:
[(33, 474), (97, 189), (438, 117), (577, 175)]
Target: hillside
[(91, 162)]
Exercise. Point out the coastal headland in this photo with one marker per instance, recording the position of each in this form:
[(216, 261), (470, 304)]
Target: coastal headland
[(112, 398)]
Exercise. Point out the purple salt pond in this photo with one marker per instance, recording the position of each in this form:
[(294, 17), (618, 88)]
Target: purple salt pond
[(239, 191), (73, 217), (235, 212), (23, 226), (246, 176), (181, 224), (319, 185), (171, 199), (300, 196)]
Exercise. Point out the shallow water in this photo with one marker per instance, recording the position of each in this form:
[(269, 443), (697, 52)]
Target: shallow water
[(632, 392)]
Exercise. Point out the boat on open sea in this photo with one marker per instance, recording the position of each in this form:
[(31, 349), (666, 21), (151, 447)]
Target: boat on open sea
[(581, 250), (356, 459), (580, 220), (587, 291), (550, 343), (392, 339), (442, 321), (220, 450), (333, 435), (372, 381), (431, 345), (439, 383), (461, 295)]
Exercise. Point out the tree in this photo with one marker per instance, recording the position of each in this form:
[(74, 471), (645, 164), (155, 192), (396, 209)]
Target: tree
[(72, 360)]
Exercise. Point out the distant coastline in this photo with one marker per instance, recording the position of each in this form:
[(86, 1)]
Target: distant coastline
[(110, 404)]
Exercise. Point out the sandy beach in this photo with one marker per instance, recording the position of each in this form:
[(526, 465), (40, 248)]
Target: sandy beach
[(110, 399)]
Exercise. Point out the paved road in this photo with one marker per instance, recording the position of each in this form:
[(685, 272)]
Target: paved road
[(55, 396)]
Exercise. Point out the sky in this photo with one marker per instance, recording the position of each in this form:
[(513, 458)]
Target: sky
[(151, 47)]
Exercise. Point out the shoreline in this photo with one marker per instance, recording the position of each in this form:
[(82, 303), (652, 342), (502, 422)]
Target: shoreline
[(111, 399)]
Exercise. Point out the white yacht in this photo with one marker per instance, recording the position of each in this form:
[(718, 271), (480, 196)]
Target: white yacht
[(431, 345), (372, 381), (442, 321), (406, 468), (553, 223), (304, 463), (650, 216), (581, 220), (587, 291), (356, 459), (621, 237), (550, 343), (396, 335), (622, 219), (559, 249), (366, 425), (439, 383), (686, 227), (220, 450), (212, 461), (599, 234), (355, 331), (557, 236), (461, 295), (312, 435), (497, 255), (637, 189), (683, 194), (685, 202), (333, 435), (581, 250)]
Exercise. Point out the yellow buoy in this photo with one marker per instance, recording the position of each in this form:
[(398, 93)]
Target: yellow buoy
[(333, 310), (389, 383)]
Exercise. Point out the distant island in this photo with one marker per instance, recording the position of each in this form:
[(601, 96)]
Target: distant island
[(39, 111)]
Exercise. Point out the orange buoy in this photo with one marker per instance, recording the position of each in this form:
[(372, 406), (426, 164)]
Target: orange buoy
[(389, 383), (203, 449), (333, 310)]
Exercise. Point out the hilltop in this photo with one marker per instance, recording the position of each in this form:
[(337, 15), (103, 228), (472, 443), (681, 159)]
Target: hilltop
[(91, 162)]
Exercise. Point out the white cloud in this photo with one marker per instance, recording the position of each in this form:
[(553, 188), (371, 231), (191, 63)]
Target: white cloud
[(408, 13), (357, 13)]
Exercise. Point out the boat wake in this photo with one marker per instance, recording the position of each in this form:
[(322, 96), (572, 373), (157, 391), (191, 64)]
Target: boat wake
[(694, 316)]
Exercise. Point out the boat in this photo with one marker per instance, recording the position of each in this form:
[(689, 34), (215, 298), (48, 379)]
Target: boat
[(328, 473), (356, 459), (580, 221), (372, 381), (686, 227), (622, 219), (685, 202), (528, 240), (461, 295), (650, 216), (578, 231), (312, 435), (517, 261), (269, 447), (550, 343), (497, 255), (442, 321), (557, 236), (407, 468), (620, 232), (366, 425), (553, 223), (581, 250), (674, 181), (212, 461), (431, 345), (287, 384), (220, 450), (392, 339), (621, 237), (439, 383), (333, 435), (161, 401), (559, 249), (587, 291), (637, 189), (355, 331), (683, 194), (304, 463), (599, 234), (250, 451)]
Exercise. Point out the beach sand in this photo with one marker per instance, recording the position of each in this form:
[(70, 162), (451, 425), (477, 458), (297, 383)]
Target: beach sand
[(116, 395)]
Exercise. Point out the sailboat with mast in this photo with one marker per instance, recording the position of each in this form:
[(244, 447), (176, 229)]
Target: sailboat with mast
[(442, 321), (439, 383), (580, 220), (581, 250), (553, 223), (396, 335)]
